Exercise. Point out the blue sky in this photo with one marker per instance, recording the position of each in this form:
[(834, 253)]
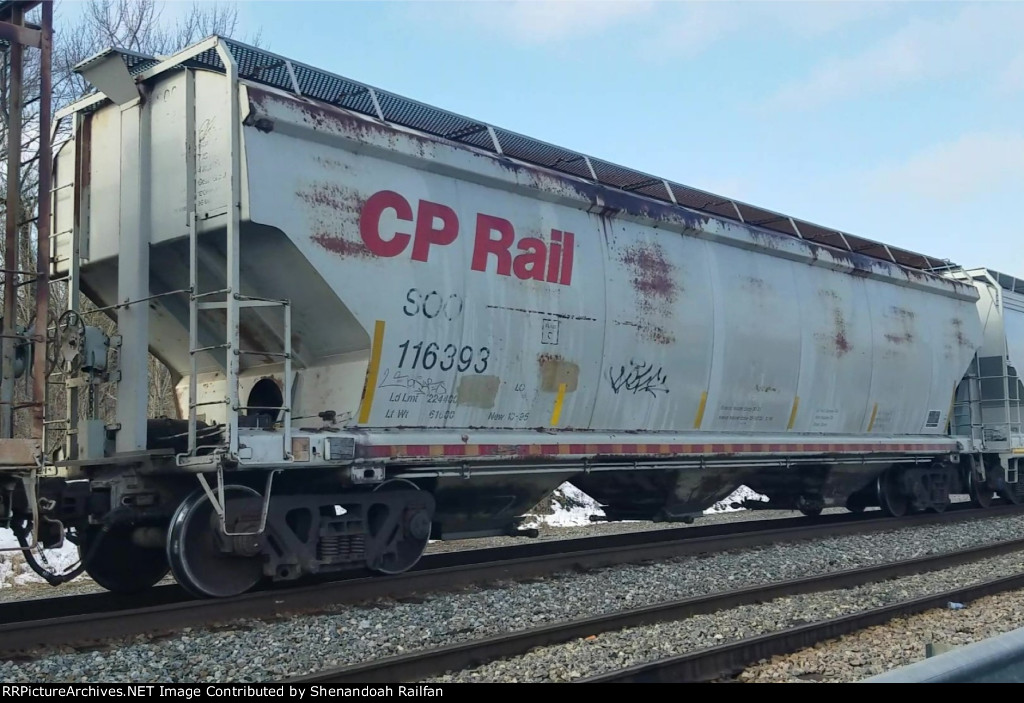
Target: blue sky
[(901, 122)]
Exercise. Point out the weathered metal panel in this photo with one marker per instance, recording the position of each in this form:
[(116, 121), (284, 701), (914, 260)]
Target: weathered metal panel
[(837, 340), (659, 332), (316, 389), (439, 287), (100, 239), (133, 281), (449, 450), (655, 323), (166, 188), (19, 453), (212, 136), (991, 314), (757, 341), (63, 204), (900, 368), (1013, 323)]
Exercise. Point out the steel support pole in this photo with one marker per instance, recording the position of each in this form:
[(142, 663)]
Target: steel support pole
[(133, 280), (12, 216), (232, 244), (43, 223)]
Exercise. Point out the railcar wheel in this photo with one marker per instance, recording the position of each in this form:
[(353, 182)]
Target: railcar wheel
[(1010, 493), (119, 565), (811, 512), (893, 501), (198, 563), (859, 501), (406, 535), (978, 490), (937, 487)]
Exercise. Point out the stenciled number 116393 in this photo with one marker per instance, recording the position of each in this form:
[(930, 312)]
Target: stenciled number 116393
[(426, 356)]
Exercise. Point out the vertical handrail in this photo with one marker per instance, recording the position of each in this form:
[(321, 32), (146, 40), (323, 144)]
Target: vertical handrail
[(43, 226), (191, 144), (82, 135), (11, 238), (287, 381), (232, 274), (193, 331)]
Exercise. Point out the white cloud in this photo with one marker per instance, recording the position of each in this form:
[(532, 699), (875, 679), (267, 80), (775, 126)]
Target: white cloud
[(976, 37), (820, 18), (672, 28), (1011, 77), (542, 21), (958, 171), (696, 28), (690, 28)]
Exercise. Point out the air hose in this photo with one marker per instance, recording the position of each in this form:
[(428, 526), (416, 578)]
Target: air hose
[(108, 522)]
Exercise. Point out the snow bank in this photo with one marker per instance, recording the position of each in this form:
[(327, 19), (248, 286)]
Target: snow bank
[(15, 571), (738, 496), (568, 506)]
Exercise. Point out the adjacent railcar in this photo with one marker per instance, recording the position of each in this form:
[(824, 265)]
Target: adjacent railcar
[(988, 406), (389, 323)]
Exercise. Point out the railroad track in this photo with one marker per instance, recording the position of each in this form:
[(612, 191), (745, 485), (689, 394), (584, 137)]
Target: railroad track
[(702, 665), (730, 659), (85, 620)]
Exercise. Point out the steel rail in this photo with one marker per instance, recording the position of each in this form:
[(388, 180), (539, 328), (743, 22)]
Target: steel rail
[(414, 666), (168, 609), (732, 658), (84, 604), (805, 528)]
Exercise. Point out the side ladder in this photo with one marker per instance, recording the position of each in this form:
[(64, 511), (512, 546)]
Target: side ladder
[(232, 302)]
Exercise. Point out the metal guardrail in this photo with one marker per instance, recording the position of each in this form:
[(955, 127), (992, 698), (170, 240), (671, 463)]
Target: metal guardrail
[(998, 659)]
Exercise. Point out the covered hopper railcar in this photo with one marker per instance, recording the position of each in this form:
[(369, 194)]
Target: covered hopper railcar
[(388, 323)]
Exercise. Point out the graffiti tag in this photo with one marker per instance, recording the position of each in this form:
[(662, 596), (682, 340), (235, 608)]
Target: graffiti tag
[(414, 384), (638, 377)]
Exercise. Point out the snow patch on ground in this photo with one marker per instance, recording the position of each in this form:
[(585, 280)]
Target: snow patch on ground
[(738, 496), (568, 506), (15, 571)]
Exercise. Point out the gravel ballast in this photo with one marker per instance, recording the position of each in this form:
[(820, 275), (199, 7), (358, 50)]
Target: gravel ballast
[(261, 651), (616, 650), (898, 643)]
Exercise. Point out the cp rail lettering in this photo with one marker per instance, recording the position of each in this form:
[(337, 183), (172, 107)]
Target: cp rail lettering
[(438, 225)]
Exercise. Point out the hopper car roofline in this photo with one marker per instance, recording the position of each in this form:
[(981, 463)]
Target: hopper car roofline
[(1005, 281), (263, 67)]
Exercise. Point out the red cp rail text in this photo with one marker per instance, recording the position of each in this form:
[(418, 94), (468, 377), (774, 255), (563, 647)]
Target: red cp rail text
[(437, 225)]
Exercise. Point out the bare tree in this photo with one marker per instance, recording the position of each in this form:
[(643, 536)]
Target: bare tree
[(136, 25)]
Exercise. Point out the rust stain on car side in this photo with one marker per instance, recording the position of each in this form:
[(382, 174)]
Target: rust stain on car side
[(333, 211), (653, 276), (842, 344), (656, 285)]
